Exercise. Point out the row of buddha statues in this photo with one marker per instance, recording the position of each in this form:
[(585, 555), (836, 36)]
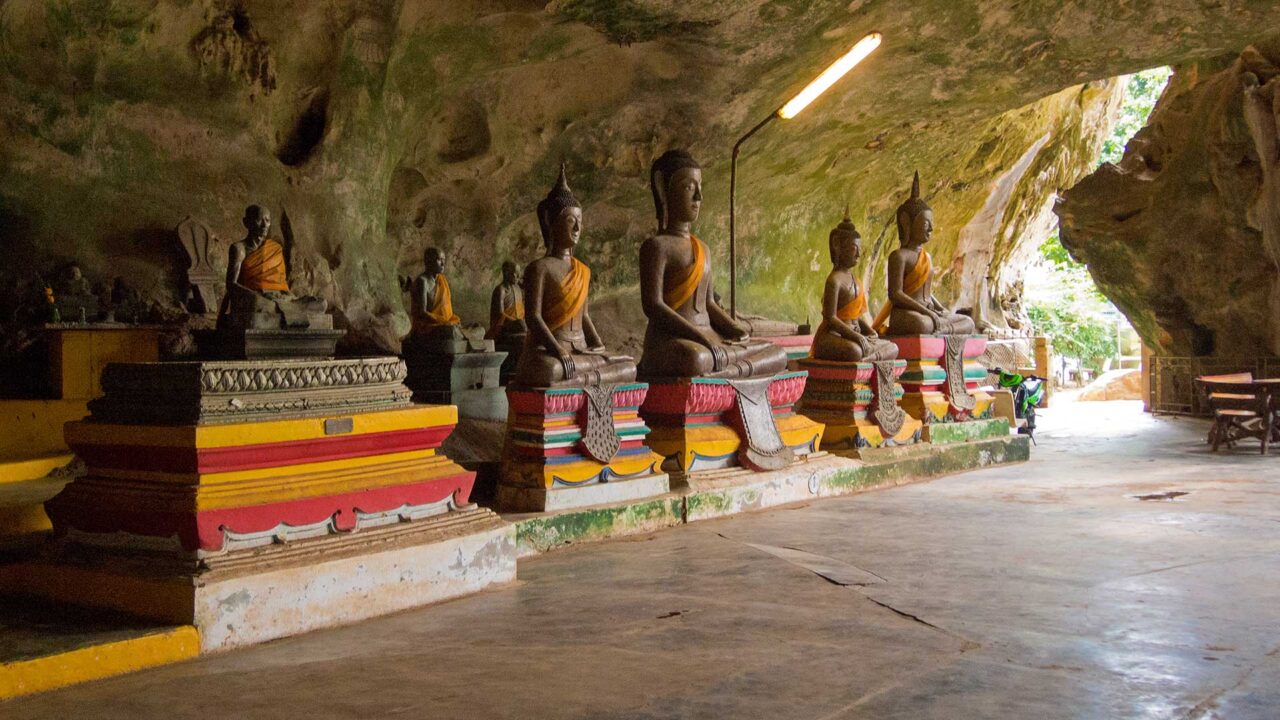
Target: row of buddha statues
[(689, 334)]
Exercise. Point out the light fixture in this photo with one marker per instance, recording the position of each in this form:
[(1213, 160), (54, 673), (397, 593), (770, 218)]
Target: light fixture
[(816, 87)]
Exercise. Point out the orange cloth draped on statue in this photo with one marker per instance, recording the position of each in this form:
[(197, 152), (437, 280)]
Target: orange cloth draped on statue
[(849, 312), (572, 296), (441, 310), (263, 269), (514, 311), (678, 293), (914, 280)]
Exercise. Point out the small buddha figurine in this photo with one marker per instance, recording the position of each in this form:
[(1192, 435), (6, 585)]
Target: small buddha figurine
[(432, 300), (506, 306), (562, 348), (76, 300), (689, 334), (911, 308), (845, 333), (258, 285)]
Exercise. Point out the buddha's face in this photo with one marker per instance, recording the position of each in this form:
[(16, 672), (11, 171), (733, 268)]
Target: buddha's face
[(848, 250), (510, 273), (922, 227), (567, 228), (433, 259), (257, 220), (684, 195)]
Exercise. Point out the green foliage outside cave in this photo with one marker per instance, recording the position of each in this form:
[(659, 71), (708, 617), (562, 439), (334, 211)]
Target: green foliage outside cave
[(1066, 305)]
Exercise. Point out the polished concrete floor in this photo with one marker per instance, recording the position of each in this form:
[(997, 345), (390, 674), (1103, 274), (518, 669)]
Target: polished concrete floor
[(1069, 587)]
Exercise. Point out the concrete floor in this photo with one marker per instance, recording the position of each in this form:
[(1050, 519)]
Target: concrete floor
[(1044, 590)]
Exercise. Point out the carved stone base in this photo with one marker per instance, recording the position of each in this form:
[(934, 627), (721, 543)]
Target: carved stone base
[(469, 380), (549, 464), (267, 344), (843, 397), (694, 430), (285, 589)]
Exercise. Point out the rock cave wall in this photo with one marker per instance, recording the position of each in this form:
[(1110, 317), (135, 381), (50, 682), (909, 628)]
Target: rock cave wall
[(1182, 234), (374, 128)]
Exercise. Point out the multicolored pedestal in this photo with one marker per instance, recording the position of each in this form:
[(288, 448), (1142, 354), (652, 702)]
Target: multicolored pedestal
[(252, 528), (548, 464), (942, 378), (849, 400), (696, 426)]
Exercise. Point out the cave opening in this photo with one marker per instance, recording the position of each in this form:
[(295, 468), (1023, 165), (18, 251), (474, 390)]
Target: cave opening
[(1089, 334)]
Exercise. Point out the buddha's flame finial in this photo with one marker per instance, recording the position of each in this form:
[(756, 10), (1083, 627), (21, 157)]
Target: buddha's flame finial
[(915, 187), (562, 182), (846, 212)]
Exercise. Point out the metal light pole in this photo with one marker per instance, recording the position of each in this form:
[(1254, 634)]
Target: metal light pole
[(819, 85)]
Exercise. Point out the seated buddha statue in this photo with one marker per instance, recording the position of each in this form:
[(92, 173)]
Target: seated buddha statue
[(506, 305), (689, 334), (562, 347), (431, 300), (845, 333), (258, 293), (911, 308)]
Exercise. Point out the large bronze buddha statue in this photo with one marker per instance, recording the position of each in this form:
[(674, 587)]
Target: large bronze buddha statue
[(258, 295), (912, 309), (689, 334), (845, 334), (562, 347)]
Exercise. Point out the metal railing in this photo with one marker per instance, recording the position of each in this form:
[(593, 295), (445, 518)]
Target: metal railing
[(1173, 386)]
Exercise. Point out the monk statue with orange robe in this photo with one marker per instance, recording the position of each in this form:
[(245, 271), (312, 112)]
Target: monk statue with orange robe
[(258, 295), (911, 308), (562, 347), (431, 300), (689, 334), (845, 333), (506, 305)]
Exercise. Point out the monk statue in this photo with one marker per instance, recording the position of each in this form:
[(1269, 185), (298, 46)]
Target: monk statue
[(506, 306), (845, 333), (911, 308), (432, 300), (258, 293), (562, 348), (689, 334)]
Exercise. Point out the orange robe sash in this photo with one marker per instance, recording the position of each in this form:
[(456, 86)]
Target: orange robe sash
[(572, 296), (514, 311), (441, 310), (263, 269), (914, 280), (678, 293), (849, 312)]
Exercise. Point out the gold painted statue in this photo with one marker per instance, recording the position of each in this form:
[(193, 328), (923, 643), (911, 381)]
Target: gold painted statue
[(912, 309), (562, 347), (258, 294), (689, 334), (845, 333)]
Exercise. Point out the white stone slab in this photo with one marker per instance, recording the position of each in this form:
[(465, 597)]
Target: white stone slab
[(522, 499)]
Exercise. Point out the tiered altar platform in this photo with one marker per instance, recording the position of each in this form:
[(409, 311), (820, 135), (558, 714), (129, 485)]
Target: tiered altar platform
[(551, 461), (698, 425), (856, 404), (941, 383), (258, 499)]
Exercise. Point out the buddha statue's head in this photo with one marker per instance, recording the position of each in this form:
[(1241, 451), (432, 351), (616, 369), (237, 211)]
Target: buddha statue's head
[(433, 262), (915, 218), (845, 243), (560, 215), (510, 273), (257, 220), (676, 182)]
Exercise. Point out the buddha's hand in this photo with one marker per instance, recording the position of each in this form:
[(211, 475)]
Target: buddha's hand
[(597, 350), (865, 345), (719, 358), (566, 362)]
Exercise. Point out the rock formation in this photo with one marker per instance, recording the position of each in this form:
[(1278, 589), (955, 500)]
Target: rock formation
[(377, 128), (1182, 235)]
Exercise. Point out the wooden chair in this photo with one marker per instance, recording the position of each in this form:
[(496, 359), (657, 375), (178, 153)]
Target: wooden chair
[(1242, 407)]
